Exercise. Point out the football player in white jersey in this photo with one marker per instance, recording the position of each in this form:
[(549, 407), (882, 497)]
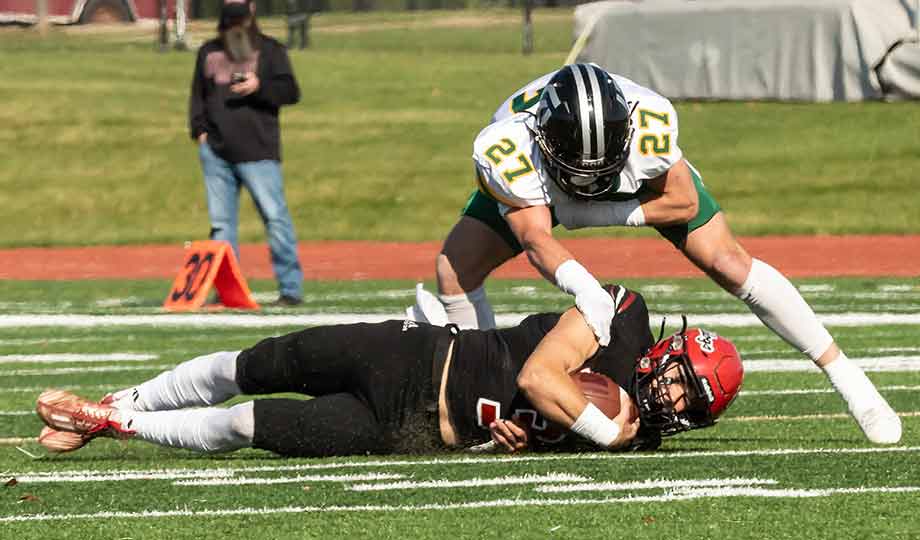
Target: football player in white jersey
[(586, 148)]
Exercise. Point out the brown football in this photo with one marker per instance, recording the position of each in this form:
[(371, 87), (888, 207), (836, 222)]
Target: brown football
[(600, 390)]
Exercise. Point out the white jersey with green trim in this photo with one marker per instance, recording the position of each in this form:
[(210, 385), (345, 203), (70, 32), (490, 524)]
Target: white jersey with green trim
[(510, 166)]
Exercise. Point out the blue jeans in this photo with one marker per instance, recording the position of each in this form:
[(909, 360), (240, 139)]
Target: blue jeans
[(222, 181)]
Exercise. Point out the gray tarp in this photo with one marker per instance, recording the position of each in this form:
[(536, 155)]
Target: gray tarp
[(813, 50)]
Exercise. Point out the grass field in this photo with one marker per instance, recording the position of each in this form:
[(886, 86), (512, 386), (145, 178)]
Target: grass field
[(95, 148), (95, 151), (786, 462)]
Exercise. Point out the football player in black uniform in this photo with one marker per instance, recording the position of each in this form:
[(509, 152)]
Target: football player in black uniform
[(403, 386)]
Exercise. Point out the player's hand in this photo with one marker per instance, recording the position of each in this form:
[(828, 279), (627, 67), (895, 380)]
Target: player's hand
[(511, 435), (598, 310), (203, 137), (628, 420), (628, 432), (249, 86)]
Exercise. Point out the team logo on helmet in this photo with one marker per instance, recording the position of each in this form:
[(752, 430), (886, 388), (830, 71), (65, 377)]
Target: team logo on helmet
[(686, 381)]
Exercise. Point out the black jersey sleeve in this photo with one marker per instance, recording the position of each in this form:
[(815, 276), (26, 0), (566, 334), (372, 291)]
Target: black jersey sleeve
[(631, 338)]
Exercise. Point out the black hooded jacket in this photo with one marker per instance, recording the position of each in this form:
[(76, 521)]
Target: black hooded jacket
[(241, 129)]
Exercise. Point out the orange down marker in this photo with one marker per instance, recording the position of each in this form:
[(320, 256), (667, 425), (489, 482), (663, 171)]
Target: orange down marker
[(209, 263)]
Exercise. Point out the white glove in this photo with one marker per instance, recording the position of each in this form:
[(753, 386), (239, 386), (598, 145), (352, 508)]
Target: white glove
[(598, 309), (594, 303)]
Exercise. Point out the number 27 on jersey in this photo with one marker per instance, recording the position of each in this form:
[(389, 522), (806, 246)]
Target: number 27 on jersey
[(521, 163)]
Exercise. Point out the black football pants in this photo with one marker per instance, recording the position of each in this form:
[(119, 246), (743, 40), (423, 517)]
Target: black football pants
[(370, 385)]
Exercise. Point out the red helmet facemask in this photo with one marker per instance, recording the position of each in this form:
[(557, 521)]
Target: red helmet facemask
[(705, 365)]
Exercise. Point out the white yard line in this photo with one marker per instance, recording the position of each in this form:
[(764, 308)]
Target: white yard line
[(505, 319), (752, 354), (786, 418), (9, 441), (119, 476), (548, 478), (678, 495), (189, 320), (836, 319), (46, 341), (789, 493), (73, 357), (256, 334), (787, 392), (816, 287), (41, 388), (16, 413), (82, 369), (244, 481), (881, 363), (865, 333), (109, 475), (899, 288), (655, 484)]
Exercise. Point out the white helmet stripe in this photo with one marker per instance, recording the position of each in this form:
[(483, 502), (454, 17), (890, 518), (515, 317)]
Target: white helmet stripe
[(553, 96), (598, 110), (584, 109)]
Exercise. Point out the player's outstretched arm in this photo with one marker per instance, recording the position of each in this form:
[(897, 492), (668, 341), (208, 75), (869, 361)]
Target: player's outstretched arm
[(545, 380), (533, 228), (671, 199)]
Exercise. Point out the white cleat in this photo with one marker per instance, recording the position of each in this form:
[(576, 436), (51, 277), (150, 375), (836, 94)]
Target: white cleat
[(880, 424), (64, 411)]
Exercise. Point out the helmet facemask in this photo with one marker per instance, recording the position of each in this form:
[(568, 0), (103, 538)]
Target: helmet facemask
[(670, 396), (581, 169)]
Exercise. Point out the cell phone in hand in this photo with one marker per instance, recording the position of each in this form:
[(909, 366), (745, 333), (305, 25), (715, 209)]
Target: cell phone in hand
[(237, 78)]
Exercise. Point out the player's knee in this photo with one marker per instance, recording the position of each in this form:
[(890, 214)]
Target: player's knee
[(448, 283), (730, 267), (242, 422)]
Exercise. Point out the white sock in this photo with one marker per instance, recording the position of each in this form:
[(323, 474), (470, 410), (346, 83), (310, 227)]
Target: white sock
[(203, 381), (778, 304), (470, 310), (851, 382), (204, 430)]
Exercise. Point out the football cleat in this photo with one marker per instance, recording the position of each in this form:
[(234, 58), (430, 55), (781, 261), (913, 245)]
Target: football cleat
[(880, 424), (62, 441), (65, 411)]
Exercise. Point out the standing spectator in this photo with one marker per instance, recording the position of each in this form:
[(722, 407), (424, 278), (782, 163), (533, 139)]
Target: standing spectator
[(241, 79)]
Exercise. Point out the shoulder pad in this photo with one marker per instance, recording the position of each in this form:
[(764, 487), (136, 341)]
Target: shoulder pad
[(505, 155), (654, 144), (524, 99)]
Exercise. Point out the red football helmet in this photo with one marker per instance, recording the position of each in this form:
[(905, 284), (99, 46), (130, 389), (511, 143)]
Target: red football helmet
[(707, 370)]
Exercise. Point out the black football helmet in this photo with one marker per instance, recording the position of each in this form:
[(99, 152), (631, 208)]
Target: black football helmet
[(584, 129)]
